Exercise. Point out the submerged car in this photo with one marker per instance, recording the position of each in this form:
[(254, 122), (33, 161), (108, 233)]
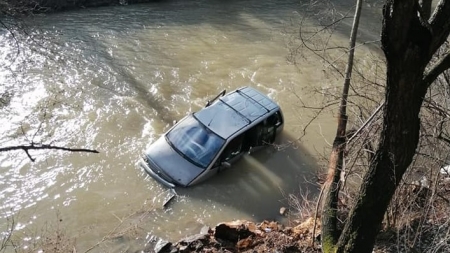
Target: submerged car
[(210, 140)]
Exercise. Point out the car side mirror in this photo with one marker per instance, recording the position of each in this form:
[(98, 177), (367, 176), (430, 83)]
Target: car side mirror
[(226, 165)]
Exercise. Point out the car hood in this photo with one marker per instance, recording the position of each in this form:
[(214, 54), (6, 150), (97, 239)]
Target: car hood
[(172, 164)]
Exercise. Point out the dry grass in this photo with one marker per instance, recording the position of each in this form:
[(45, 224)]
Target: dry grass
[(417, 219)]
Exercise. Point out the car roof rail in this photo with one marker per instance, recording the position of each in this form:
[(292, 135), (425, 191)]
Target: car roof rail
[(247, 96), (221, 94), (238, 112)]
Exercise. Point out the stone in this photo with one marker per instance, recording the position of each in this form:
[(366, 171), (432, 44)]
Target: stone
[(205, 230), (162, 246), (159, 245), (234, 231), (193, 238), (192, 243), (184, 248)]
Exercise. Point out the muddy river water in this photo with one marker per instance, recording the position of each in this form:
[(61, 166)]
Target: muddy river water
[(114, 79)]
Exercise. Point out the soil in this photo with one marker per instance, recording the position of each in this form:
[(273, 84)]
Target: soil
[(246, 236)]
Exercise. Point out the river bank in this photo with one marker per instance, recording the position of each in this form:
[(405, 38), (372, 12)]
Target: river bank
[(269, 236), (244, 236), (413, 231)]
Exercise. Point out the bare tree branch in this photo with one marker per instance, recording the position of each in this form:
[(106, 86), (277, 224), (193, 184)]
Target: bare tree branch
[(14, 37), (35, 146), (442, 65), (365, 123)]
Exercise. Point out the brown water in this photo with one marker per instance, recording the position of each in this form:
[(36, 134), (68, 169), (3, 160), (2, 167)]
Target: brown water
[(113, 79)]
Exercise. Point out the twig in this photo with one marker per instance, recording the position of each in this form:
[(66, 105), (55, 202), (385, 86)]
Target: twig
[(14, 37), (35, 146), (365, 123), (117, 217)]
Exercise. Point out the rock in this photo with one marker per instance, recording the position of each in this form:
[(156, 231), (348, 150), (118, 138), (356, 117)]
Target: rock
[(162, 246), (184, 248), (158, 245), (192, 243), (190, 239), (205, 230), (234, 231), (283, 211)]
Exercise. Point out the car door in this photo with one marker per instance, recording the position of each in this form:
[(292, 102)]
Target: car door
[(232, 152), (270, 128), (262, 134)]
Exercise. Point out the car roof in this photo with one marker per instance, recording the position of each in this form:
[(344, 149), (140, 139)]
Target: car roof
[(235, 110)]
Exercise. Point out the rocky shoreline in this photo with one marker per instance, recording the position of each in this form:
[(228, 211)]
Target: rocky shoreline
[(244, 236), (269, 236)]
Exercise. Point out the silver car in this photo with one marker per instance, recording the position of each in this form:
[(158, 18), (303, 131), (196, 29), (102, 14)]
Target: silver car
[(210, 140)]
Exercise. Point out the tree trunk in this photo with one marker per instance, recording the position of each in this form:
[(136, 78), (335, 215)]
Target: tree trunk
[(331, 188), (400, 137)]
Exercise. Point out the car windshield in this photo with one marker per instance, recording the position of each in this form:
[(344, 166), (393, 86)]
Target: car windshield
[(191, 139)]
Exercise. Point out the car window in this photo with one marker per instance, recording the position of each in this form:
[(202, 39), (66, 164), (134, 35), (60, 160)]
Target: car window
[(233, 148), (192, 140), (263, 133), (268, 131), (275, 119)]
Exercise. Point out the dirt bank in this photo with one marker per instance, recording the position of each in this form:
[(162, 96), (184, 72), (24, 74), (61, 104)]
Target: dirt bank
[(243, 236)]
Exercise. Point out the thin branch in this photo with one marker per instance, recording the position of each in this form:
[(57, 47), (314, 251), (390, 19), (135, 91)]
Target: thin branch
[(314, 117), (444, 139), (10, 226), (366, 123), (326, 27), (34, 146), (14, 37)]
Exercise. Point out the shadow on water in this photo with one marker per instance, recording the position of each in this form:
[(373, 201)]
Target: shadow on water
[(255, 188), (258, 185)]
